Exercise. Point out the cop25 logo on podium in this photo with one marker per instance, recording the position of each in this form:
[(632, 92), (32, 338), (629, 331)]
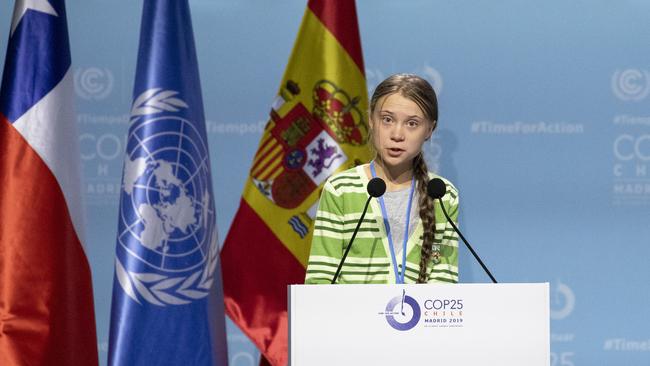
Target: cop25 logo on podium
[(411, 313)]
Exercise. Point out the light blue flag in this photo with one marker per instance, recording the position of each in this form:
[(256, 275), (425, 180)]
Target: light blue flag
[(167, 297)]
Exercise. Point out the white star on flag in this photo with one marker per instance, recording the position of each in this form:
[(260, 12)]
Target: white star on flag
[(23, 5)]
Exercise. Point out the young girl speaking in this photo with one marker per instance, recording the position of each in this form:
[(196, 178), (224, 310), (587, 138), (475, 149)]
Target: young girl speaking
[(404, 237)]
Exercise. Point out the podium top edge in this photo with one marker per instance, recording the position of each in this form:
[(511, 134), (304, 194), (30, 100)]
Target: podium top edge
[(545, 284)]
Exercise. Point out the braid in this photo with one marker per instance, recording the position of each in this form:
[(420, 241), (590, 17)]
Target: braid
[(426, 215)]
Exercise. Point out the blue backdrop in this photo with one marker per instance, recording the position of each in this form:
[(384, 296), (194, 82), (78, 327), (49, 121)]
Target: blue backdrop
[(544, 128)]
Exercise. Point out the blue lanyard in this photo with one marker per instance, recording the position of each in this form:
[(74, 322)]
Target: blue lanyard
[(399, 278)]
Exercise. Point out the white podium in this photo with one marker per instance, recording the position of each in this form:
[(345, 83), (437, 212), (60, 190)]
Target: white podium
[(463, 324)]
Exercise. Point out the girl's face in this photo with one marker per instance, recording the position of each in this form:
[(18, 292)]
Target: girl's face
[(399, 130)]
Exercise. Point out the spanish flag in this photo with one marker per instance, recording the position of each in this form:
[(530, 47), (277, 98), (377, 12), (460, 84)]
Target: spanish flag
[(317, 126)]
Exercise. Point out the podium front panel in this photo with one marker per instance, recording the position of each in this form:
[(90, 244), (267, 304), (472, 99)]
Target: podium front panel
[(462, 324)]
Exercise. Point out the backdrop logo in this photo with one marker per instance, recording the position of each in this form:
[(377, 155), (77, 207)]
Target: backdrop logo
[(630, 147), (101, 155), (106, 146), (563, 301), (631, 162), (433, 76), (403, 312), (631, 84), (102, 144), (93, 83)]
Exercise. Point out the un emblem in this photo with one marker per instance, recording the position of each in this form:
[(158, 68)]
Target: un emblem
[(167, 249)]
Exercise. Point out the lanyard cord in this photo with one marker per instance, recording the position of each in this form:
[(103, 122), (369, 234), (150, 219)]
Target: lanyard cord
[(399, 278)]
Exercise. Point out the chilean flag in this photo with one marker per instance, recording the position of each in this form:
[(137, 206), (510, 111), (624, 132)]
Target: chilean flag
[(46, 300)]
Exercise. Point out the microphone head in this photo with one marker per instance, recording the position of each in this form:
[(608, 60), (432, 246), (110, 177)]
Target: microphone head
[(436, 188), (376, 187)]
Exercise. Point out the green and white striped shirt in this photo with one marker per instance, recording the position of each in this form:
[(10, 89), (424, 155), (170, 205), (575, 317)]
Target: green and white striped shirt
[(369, 261)]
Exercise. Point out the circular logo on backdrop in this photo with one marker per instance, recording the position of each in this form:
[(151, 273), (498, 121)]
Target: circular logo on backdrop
[(433, 77), (563, 301), (167, 244), (93, 83), (403, 312), (631, 84)]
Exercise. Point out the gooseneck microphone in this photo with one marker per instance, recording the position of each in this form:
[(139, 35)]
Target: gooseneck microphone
[(376, 188), (436, 190)]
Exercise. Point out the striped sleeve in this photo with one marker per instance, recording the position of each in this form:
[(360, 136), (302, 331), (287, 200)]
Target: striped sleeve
[(328, 240)]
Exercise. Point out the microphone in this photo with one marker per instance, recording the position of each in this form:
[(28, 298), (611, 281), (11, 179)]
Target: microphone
[(376, 188), (436, 189)]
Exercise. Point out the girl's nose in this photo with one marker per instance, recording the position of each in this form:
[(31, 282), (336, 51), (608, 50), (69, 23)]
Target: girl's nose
[(397, 132)]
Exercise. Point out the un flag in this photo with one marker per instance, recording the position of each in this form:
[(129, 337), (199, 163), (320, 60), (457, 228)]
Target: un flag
[(167, 298)]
